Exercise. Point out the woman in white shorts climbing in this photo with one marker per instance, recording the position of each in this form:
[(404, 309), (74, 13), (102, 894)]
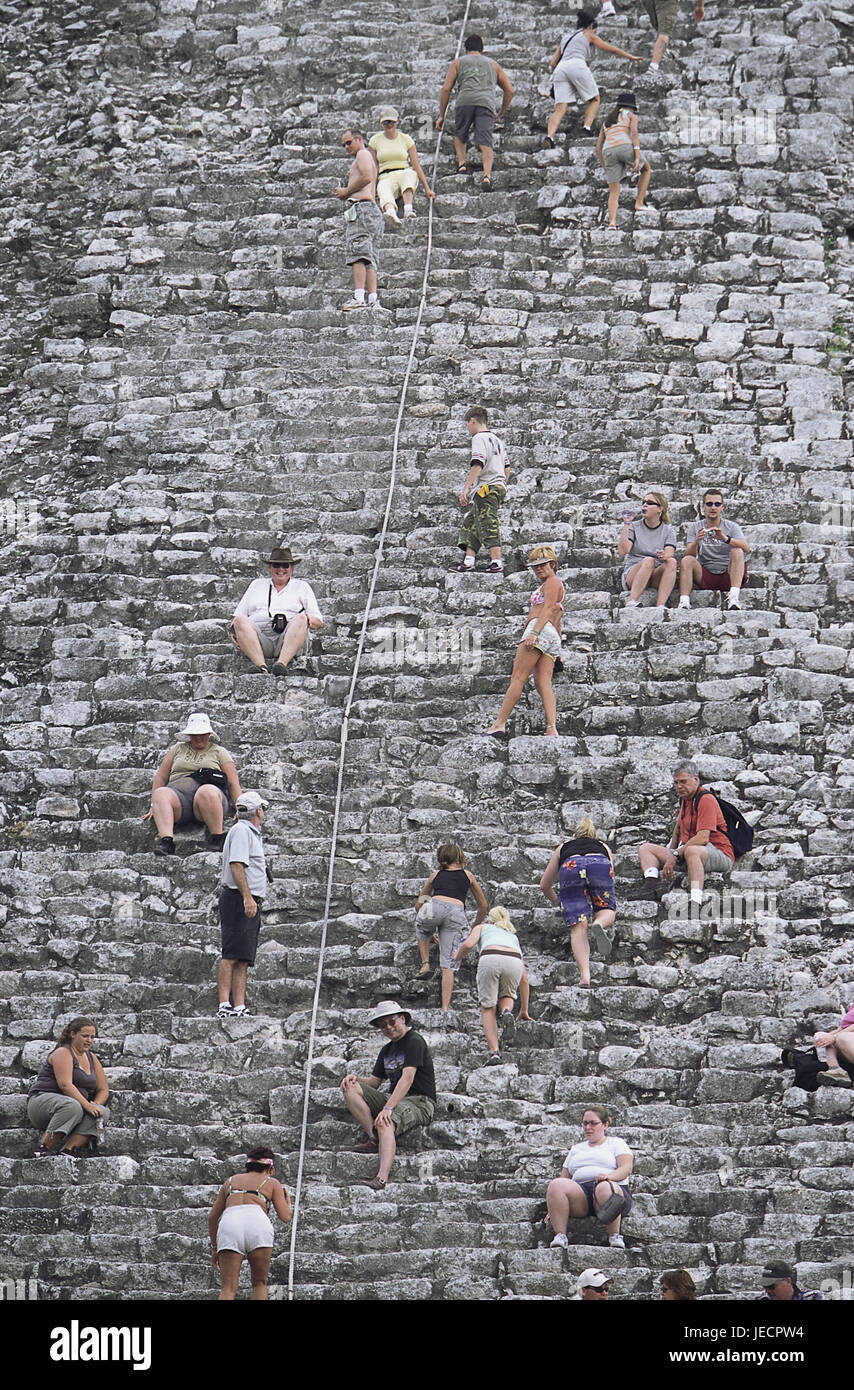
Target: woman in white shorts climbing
[(572, 75), (240, 1227)]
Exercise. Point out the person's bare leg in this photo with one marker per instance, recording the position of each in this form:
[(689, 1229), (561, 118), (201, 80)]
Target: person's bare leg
[(229, 1274), (166, 807), (360, 274), (643, 183), (460, 150), (844, 1045), (388, 1148), (736, 568), (259, 1271), (487, 155), (660, 48), (447, 988), (543, 681), (580, 944), (555, 119), (295, 635), (238, 982), (665, 581), (639, 576), (653, 856), (490, 1028), (523, 665), (613, 203), (370, 280), (695, 865), (246, 638), (207, 808), (359, 1108), (690, 573), (590, 113), (223, 980), (424, 953), (524, 998)]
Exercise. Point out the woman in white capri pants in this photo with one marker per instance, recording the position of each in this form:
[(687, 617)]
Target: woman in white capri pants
[(572, 75), (240, 1227)]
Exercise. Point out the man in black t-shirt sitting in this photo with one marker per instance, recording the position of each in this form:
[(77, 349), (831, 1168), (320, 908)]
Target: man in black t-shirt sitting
[(406, 1064)]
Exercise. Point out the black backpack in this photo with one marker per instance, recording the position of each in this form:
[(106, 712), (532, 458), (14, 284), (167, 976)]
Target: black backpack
[(807, 1067), (739, 831)]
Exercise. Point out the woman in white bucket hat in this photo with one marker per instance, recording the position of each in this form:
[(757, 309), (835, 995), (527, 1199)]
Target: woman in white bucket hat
[(195, 781)]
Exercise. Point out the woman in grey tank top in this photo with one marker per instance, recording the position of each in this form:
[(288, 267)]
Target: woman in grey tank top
[(572, 75)]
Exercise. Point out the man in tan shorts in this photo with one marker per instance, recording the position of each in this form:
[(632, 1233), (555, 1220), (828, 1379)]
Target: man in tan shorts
[(363, 222), (662, 16)]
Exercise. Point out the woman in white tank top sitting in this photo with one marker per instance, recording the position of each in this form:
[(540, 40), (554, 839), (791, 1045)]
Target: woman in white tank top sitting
[(572, 75), (618, 151), (539, 647), (240, 1227)]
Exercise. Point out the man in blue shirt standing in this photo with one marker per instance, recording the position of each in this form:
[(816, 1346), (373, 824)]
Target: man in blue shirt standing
[(243, 884)]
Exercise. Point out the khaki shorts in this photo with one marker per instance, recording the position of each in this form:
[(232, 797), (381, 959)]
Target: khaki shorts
[(662, 15), (411, 1113), (498, 977), (717, 862)]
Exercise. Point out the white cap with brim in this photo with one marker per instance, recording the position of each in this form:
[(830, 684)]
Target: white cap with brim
[(197, 724), (593, 1279), (388, 113), (250, 802), (387, 1008)]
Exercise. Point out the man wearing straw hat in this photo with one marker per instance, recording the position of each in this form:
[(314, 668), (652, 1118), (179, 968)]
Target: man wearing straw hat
[(272, 620), (405, 1062)]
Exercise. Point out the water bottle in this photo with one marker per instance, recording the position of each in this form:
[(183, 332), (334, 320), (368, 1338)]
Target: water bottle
[(99, 1130)]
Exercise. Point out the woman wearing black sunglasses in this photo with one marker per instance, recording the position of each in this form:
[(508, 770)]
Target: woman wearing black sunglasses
[(647, 545)]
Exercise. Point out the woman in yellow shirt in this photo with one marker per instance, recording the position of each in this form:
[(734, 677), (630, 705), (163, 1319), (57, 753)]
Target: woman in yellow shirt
[(399, 167)]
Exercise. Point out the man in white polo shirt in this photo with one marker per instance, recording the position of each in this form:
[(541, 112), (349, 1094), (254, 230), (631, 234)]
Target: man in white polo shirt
[(243, 883), (272, 620)]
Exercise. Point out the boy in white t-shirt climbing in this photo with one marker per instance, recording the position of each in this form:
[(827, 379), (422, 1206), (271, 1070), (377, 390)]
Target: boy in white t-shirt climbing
[(485, 489)]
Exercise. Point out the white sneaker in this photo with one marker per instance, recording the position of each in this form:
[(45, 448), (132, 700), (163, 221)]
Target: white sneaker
[(685, 601), (390, 215), (239, 1011), (354, 304), (224, 1010), (408, 211), (607, 11), (733, 601), (374, 304), (633, 603), (560, 1242), (617, 1242)]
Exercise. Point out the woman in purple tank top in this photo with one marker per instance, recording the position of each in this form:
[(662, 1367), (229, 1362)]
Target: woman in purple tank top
[(68, 1097)]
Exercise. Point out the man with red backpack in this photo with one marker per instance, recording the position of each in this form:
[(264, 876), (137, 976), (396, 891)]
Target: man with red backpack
[(702, 837)]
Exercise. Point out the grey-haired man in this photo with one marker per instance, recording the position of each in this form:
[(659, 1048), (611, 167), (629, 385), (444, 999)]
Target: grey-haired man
[(243, 885), (405, 1062), (699, 838)]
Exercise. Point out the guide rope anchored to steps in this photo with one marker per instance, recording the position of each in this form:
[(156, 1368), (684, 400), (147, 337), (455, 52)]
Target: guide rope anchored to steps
[(378, 560)]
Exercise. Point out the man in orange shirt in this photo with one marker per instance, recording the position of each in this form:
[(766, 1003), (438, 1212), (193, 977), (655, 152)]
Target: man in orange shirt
[(699, 838)]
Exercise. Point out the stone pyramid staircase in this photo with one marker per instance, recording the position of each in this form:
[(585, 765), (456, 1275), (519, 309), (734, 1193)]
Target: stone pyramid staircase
[(180, 388)]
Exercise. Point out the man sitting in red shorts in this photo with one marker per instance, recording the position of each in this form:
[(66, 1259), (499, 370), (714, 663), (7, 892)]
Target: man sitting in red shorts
[(714, 554)]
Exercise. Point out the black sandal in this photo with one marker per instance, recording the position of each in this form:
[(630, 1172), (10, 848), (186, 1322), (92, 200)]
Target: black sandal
[(485, 185), (462, 168)]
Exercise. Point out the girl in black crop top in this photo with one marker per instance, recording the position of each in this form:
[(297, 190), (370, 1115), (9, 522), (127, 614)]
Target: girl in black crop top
[(450, 883)]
